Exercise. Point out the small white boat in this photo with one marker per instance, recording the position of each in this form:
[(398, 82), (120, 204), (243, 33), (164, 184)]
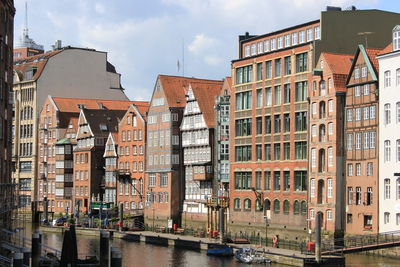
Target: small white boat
[(249, 255)]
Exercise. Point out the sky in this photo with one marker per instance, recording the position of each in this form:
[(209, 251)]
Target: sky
[(145, 38)]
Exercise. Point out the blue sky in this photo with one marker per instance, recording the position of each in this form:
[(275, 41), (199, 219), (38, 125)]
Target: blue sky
[(146, 38)]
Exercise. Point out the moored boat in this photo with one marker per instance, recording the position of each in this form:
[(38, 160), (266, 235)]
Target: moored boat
[(219, 250), (249, 255)]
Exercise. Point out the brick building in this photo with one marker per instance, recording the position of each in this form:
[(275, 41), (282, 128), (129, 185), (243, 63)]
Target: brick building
[(198, 142), (66, 72), (361, 135), (326, 148), (131, 160), (58, 119), (94, 127), (7, 186), (269, 112), (164, 158)]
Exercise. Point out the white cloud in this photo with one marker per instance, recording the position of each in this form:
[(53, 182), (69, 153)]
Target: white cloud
[(202, 43), (99, 8)]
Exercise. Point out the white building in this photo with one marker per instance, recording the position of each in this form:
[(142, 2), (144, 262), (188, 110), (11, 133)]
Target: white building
[(389, 136)]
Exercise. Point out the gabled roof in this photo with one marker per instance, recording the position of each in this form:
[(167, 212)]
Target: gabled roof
[(175, 88), (205, 95), (71, 104), (97, 118), (110, 141), (338, 63), (369, 55)]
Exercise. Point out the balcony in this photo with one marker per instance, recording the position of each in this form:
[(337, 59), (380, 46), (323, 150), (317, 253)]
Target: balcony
[(124, 174)]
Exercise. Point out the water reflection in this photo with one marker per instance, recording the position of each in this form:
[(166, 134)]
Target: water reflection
[(140, 254)]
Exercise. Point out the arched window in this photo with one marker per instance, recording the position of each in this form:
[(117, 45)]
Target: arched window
[(267, 206), (133, 205), (286, 206), (321, 160), (247, 204), (396, 38), (258, 205), (386, 155), (296, 207), (322, 109), (236, 204), (277, 205), (303, 207), (398, 188), (322, 133), (321, 191), (322, 88)]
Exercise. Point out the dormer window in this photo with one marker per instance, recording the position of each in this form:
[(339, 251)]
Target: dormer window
[(103, 127), (81, 106), (396, 38)]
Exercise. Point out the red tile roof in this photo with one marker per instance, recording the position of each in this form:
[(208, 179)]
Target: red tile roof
[(71, 104), (175, 87), (338, 63), (372, 54), (205, 94), (387, 49)]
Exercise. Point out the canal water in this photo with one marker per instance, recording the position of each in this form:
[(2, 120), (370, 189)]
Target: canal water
[(144, 255)]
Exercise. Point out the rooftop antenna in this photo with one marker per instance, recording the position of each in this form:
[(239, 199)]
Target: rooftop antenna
[(365, 34), (26, 19)]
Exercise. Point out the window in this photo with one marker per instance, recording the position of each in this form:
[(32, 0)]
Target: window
[(349, 218), (387, 188), (366, 140), (387, 79), (372, 140), (386, 217), (313, 157), (301, 62), (366, 113), (267, 151), (349, 114), (258, 180), (259, 98), (259, 71), (277, 123), (397, 218), (267, 180), (286, 206), (358, 141), (266, 46), (294, 38), (330, 156), (387, 150), (236, 204), (312, 214), (287, 65), (277, 151), (312, 187), (398, 112), (152, 180), (356, 73), (286, 180), (301, 121), (350, 195), (277, 206), (314, 130), (349, 141), (329, 215), (260, 47), (300, 180), (370, 166), (278, 95), (280, 42), (330, 188), (287, 40), (244, 74), (253, 49), (358, 195), (358, 114), (366, 89), (244, 100), (268, 69), (358, 169), (247, 51), (286, 122), (309, 35), (396, 39), (273, 44), (398, 77), (387, 114), (243, 127), (300, 150), (267, 124), (243, 180), (301, 91), (278, 66), (330, 105), (259, 125), (364, 72), (302, 38), (258, 152), (277, 180), (398, 150), (286, 151), (369, 196), (286, 96), (330, 128)]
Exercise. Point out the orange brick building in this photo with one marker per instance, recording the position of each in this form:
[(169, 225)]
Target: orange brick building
[(361, 135), (326, 149), (131, 160)]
